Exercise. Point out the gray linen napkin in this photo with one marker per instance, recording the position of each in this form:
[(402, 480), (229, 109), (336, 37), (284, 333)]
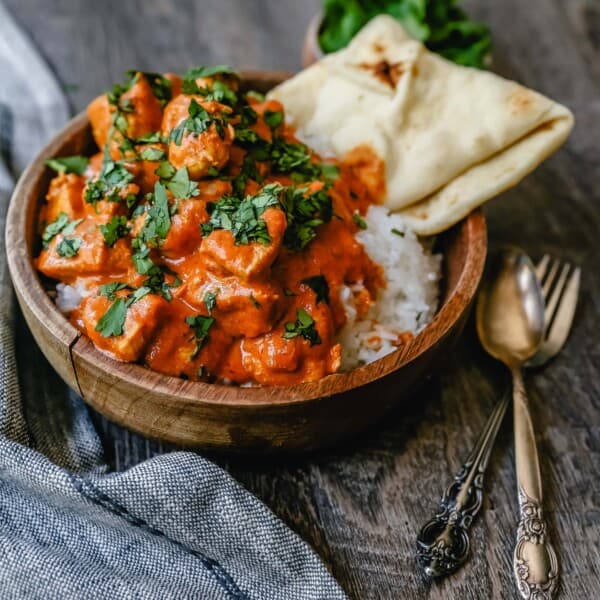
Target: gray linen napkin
[(175, 526)]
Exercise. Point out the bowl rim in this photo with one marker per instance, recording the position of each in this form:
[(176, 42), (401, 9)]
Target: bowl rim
[(28, 284)]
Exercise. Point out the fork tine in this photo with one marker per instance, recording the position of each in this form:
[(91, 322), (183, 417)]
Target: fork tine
[(540, 268), (559, 329), (547, 284), (552, 302)]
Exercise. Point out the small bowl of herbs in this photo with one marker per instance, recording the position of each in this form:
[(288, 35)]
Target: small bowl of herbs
[(441, 25)]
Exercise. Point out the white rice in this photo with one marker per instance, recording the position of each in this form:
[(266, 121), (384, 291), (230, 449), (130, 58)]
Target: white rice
[(69, 297), (406, 304)]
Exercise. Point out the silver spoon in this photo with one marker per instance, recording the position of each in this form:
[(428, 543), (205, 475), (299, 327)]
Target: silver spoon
[(510, 324), (443, 542)]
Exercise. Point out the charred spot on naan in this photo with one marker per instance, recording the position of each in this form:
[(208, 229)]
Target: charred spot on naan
[(388, 73), (523, 101)]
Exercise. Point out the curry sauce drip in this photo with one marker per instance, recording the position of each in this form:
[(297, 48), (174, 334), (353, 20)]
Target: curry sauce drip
[(210, 243)]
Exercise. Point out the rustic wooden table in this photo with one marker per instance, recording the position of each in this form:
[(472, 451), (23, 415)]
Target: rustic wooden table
[(361, 505)]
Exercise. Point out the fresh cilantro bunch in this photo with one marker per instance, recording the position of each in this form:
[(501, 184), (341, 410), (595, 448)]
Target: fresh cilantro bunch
[(440, 24)]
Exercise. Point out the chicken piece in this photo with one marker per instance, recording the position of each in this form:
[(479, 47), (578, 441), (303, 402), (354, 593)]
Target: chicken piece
[(184, 235), (272, 359), (175, 83), (199, 152), (176, 351), (241, 308), (92, 257), (146, 116), (141, 322), (247, 260), (64, 196), (143, 115)]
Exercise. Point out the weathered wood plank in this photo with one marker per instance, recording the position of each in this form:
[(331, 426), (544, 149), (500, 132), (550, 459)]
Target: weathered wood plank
[(360, 505)]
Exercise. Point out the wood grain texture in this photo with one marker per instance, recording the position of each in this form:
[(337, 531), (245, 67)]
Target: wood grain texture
[(360, 505)]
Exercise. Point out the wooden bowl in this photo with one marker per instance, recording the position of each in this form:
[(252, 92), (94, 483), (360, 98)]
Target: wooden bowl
[(299, 417)]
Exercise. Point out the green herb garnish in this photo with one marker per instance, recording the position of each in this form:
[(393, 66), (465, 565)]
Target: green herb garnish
[(273, 118), (115, 229), (152, 154), (112, 322), (318, 284), (397, 232), (360, 222), (243, 217), (303, 327), (210, 300), (69, 164), (198, 121), (304, 214), (68, 247), (200, 325), (110, 289), (440, 24), (60, 225)]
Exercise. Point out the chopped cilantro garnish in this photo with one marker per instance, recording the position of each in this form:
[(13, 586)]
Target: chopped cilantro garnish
[(68, 247), (69, 164), (256, 95), (153, 137), (304, 214), (318, 284), (303, 327), (360, 222), (112, 322), (330, 171), (288, 292), (199, 121), (242, 217), (60, 225), (200, 325), (273, 118), (110, 289), (210, 300), (203, 71), (397, 232), (158, 218), (112, 179), (181, 186), (152, 154), (113, 230)]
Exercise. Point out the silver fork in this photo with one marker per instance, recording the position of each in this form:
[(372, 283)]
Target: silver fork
[(443, 542)]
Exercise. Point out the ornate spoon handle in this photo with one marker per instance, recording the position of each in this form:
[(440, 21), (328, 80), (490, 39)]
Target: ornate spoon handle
[(443, 542), (535, 563)]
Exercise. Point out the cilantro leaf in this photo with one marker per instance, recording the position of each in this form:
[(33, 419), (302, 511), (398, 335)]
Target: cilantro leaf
[(69, 164), (115, 229), (158, 218), (181, 186), (397, 232), (198, 121), (242, 217), (200, 325), (210, 300), (152, 154), (112, 322), (304, 214), (68, 247), (360, 222), (112, 179), (304, 326), (203, 71), (110, 289), (318, 284), (273, 118), (60, 225)]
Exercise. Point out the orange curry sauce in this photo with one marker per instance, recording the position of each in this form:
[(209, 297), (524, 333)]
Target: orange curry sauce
[(212, 244)]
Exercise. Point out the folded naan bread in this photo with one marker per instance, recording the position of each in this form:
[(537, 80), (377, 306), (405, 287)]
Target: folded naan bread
[(451, 136)]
